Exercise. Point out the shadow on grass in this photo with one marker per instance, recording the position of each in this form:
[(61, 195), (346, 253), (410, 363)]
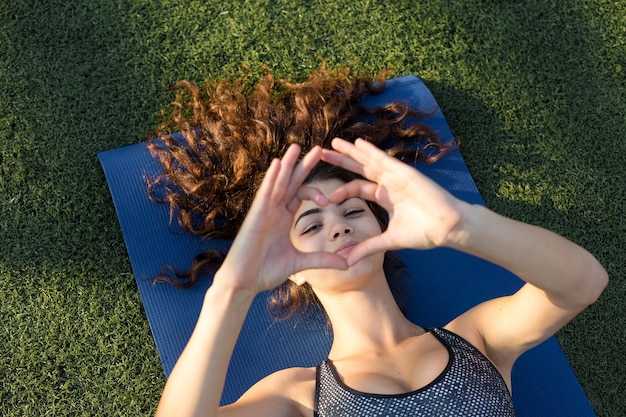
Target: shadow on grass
[(74, 339), (535, 90), (555, 156), (66, 93), (515, 186)]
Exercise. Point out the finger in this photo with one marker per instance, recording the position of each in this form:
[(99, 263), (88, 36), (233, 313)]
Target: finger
[(342, 145), (342, 160), (368, 149), (372, 159), (287, 163), (303, 169), (371, 246), (321, 260), (307, 193), (264, 192), (356, 188)]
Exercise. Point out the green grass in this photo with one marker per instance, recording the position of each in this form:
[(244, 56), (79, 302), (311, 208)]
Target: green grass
[(536, 91)]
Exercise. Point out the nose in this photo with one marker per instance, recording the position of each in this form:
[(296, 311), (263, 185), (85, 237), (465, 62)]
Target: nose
[(340, 229)]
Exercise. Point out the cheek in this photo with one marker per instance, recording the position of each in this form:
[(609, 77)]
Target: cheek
[(301, 244), (374, 228)]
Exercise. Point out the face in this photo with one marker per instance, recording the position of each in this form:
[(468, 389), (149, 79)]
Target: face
[(335, 228)]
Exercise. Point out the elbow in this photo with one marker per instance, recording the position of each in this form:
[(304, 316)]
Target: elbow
[(584, 291), (602, 281), (597, 281)]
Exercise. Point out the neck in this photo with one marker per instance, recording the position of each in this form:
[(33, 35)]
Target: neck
[(366, 320)]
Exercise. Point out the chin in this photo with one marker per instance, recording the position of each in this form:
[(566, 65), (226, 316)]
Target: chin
[(357, 274)]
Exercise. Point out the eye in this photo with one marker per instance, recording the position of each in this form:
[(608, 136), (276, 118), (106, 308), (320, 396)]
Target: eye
[(354, 212), (311, 228)]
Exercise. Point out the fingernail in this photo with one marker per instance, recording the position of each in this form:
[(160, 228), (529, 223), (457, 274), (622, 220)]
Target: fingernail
[(321, 199)]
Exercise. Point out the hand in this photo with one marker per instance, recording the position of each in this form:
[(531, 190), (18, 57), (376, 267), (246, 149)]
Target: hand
[(262, 255), (422, 215)]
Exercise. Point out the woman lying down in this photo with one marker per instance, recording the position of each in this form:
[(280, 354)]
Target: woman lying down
[(317, 218)]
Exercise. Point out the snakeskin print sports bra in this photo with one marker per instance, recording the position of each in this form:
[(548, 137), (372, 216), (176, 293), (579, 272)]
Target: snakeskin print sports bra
[(469, 386)]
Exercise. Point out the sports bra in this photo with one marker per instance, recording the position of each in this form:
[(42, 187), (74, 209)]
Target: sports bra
[(470, 385)]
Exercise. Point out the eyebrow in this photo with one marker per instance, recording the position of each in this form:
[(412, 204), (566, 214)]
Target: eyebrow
[(317, 210), (306, 213)]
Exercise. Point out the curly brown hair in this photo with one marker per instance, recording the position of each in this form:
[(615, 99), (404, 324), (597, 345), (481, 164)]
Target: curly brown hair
[(227, 135)]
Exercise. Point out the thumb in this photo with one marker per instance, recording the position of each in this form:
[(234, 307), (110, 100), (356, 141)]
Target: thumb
[(321, 260), (368, 247)]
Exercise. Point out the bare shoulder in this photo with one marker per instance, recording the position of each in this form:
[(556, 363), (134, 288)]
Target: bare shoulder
[(285, 393), (471, 327), (468, 326)]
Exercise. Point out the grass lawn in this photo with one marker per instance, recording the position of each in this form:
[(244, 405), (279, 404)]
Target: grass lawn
[(535, 90)]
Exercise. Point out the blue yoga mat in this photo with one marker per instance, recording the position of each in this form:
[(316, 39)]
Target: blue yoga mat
[(444, 283)]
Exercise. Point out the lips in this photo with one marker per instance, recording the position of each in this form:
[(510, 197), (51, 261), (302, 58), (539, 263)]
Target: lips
[(344, 250)]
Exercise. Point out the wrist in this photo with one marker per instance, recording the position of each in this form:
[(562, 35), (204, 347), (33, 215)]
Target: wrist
[(227, 287), (471, 221)]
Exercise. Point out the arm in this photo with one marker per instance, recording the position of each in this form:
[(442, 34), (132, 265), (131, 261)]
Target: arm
[(261, 257), (195, 385), (561, 277), (196, 382)]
